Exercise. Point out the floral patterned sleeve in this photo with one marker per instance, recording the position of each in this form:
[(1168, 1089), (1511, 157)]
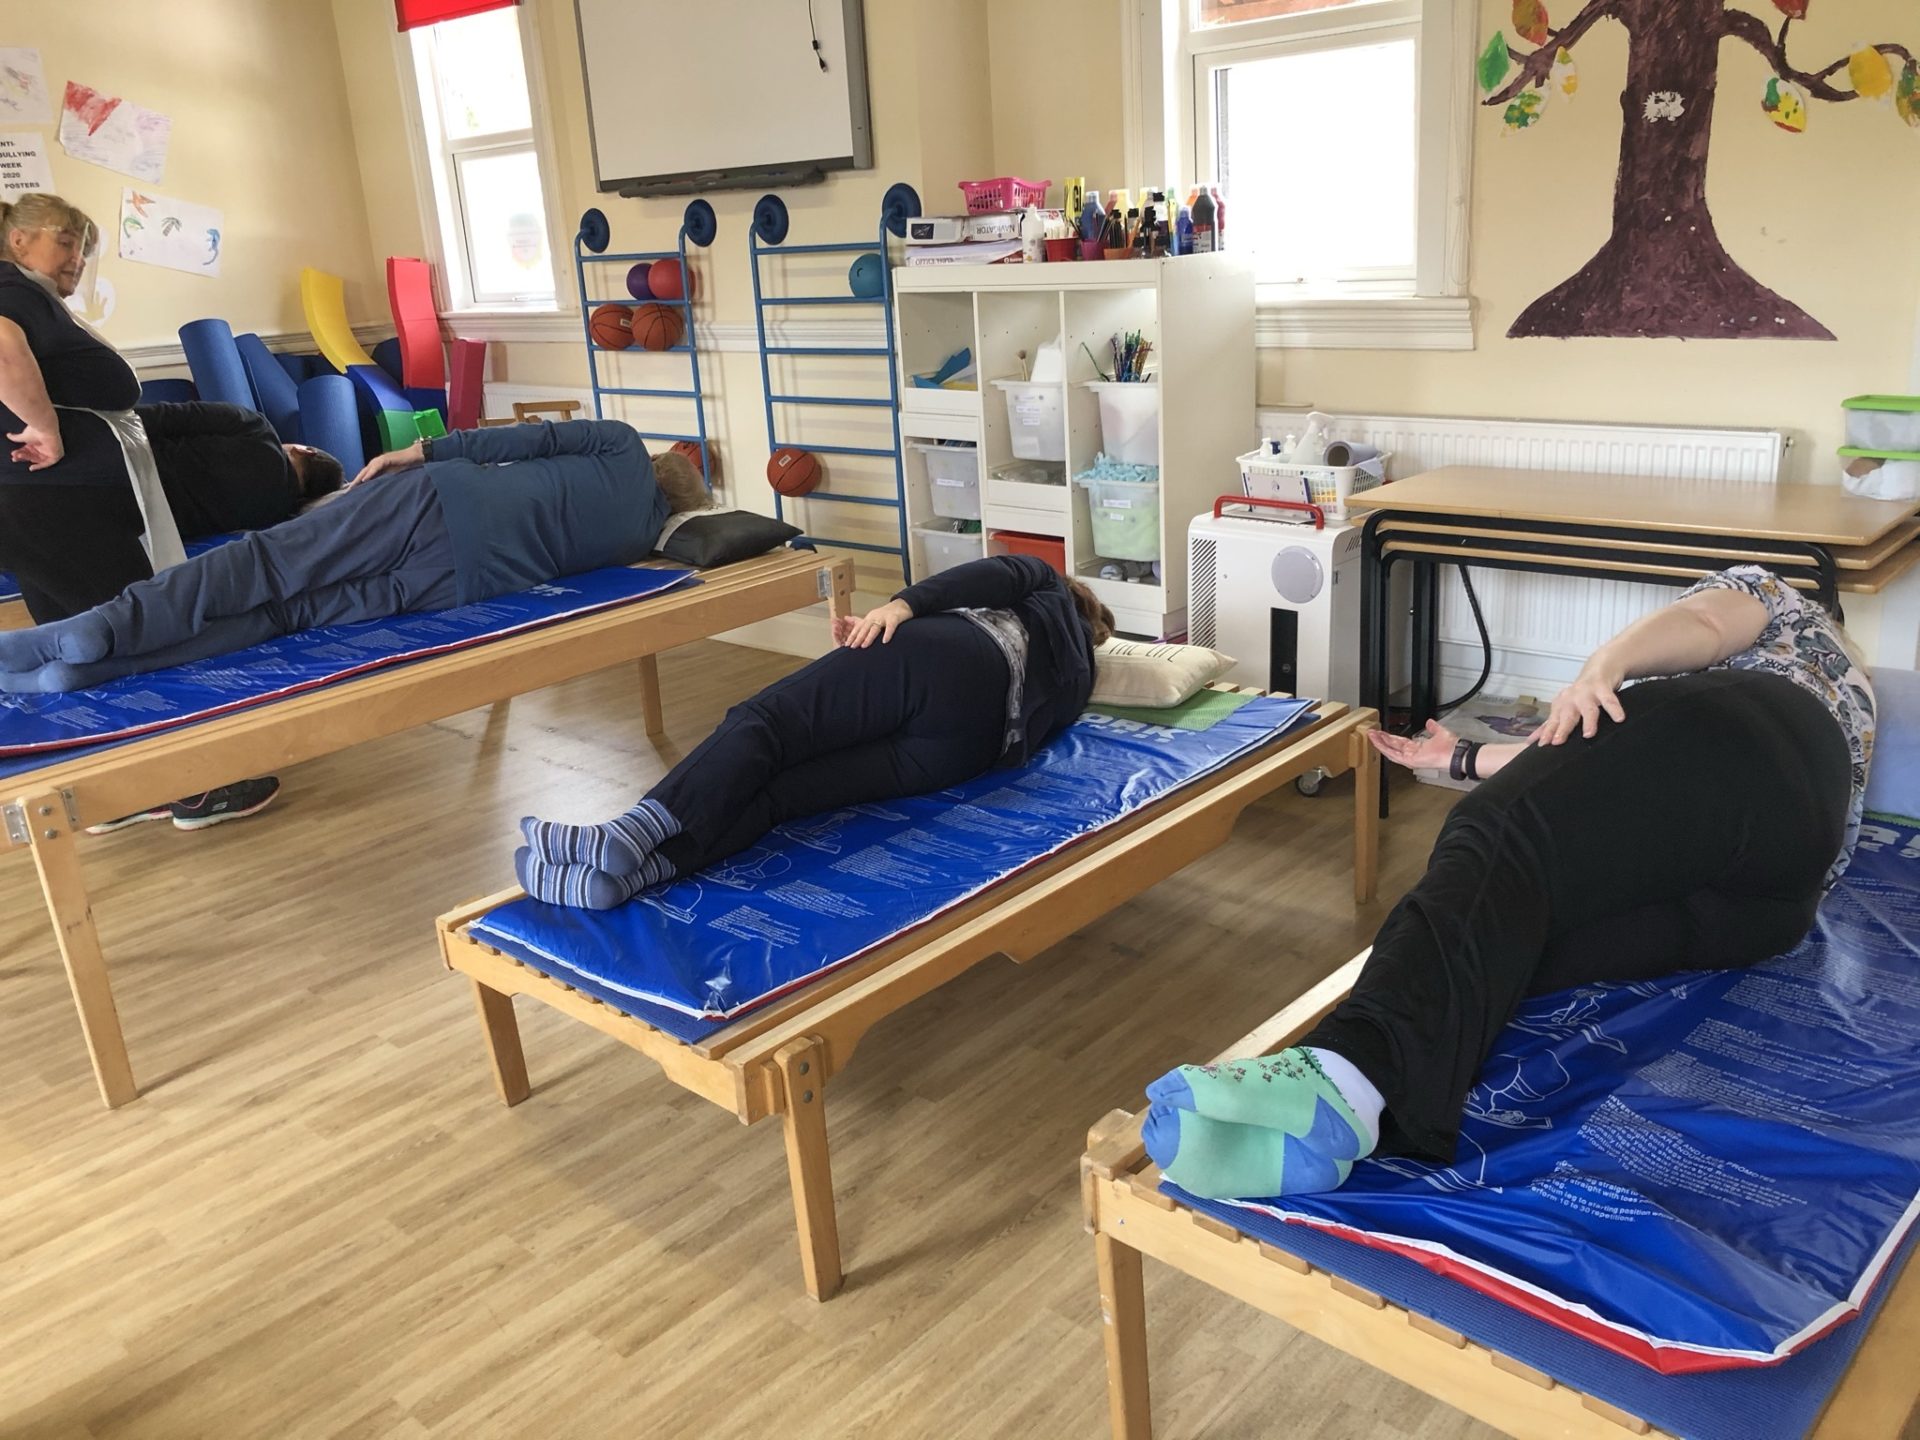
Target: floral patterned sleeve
[(1785, 608)]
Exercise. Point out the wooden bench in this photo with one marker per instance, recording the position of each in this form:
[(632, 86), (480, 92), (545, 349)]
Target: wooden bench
[(777, 1060), (52, 804)]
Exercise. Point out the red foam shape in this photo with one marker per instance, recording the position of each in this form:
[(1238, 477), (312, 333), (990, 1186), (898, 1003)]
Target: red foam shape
[(410, 296), (465, 394)]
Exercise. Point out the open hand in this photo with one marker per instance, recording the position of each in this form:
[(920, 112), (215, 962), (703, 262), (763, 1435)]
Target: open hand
[(858, 634), (414, 454), (1578, 707), (38, 448), (1431, 751)]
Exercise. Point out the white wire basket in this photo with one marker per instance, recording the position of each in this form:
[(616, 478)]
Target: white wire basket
[(1267, 477)]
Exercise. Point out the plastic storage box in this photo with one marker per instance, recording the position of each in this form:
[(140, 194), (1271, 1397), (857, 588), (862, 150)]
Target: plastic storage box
[(1003, 192), (1035, 419), (947, 545), (1881, 458), (1050, 548), (1125, 515), (1129, 420), (953, 475)]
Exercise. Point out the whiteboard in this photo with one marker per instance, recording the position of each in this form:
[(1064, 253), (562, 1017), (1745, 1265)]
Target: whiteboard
[(707, 91)]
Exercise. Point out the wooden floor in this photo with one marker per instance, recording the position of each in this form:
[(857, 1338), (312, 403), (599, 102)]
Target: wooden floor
[(319, 1221)]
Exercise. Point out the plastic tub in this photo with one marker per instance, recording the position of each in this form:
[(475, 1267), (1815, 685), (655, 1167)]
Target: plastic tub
[(953, 475), (1328, 486), (1034, 418), (947, 546), (1003, 192), (1049, 548), (1129, 420), (1883, 422), (1125, 515)]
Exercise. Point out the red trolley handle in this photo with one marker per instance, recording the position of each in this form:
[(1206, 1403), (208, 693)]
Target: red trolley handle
[(1319, 515)]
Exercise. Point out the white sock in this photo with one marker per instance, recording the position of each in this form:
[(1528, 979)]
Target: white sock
[(1365, 1101)]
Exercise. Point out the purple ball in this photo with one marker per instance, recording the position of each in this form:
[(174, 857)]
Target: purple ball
[(637, 281)]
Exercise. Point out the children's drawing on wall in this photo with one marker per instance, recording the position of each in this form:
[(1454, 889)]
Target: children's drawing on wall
[(155, 230), (117, 134), (1663, 271), (23, 88)]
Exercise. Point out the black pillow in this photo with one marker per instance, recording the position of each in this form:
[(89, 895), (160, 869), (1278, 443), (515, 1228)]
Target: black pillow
[(724, 536)]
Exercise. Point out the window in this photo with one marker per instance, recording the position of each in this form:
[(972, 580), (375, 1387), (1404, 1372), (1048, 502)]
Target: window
[(1340, 133), (477, 115)]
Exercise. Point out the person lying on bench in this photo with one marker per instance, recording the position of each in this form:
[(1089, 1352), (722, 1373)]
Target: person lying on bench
[(223, 468), (977, 666), (1684, 823), (448, 521)]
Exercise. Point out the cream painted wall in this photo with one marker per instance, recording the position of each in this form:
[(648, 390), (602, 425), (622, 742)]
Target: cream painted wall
[(1056, 90), (260, 131), (1820, 217)]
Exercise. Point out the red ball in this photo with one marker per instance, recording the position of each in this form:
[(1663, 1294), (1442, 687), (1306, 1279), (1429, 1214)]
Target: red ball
[(793, 471), (690, 451), (612, 326), (667, 281), (657, 327)]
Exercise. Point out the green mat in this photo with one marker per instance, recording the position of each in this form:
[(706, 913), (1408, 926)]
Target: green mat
[(1202, 711)]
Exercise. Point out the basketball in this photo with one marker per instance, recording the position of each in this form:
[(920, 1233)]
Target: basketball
[(637, 281), (690, 450), (612, 326), (793, 471), (657, 327), (665, 281)]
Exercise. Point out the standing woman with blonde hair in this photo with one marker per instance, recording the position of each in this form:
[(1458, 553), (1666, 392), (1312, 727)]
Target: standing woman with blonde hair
[(82, 511), (82, 515)]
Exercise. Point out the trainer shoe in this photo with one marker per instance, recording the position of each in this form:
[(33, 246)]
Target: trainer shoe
[(227, 802), (139, 817)]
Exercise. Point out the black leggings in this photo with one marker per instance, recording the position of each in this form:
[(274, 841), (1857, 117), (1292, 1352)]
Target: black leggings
[(1697, 835), (71, 546), (925, 711)]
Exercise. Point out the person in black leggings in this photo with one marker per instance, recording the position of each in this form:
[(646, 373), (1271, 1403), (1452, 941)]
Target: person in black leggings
[(975, 667), (1687, 822)]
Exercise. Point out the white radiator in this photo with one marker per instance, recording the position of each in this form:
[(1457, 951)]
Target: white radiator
[(1544, 626)]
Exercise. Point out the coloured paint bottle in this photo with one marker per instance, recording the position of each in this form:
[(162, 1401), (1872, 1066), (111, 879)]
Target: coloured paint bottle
[(1203, 237), (1219, 217)]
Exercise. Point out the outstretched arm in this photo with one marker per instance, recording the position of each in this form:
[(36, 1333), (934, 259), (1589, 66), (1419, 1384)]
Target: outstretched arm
[(1434, 750), (502, 444), (995, 583), (203, 417), (1694, 632)]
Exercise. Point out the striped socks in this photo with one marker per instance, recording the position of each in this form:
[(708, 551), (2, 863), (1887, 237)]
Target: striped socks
[(620, 847), (585, 887)]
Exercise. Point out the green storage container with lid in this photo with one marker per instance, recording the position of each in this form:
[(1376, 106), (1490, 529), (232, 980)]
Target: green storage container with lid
[(1881, 459)]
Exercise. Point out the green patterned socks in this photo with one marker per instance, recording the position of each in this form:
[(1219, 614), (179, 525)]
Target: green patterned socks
[(1290, 1123)]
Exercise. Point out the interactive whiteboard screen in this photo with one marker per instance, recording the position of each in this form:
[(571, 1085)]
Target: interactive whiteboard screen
[(710, 90)]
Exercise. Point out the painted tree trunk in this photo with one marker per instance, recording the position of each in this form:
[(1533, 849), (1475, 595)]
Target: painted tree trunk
[(1663, 270)]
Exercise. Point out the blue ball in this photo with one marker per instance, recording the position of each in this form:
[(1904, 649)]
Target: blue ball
[(866, 278), (637, 281)]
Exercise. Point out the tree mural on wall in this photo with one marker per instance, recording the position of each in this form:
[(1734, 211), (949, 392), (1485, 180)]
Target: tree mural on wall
[(1663, 270)]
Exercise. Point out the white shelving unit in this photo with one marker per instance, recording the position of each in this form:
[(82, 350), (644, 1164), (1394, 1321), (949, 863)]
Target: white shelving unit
[(1198, 312)]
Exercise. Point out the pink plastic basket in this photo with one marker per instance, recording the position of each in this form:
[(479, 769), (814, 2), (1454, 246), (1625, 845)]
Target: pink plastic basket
[(986, 197)]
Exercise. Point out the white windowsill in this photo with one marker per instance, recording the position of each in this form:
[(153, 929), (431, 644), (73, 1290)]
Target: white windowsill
[(515, 323), (1372, 322)]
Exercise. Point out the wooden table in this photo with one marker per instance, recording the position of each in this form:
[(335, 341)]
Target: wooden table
[(1650, 529)]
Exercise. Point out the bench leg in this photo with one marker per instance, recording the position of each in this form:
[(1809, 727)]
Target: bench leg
[(51, 838), (502, 1034), (650, 708), (1123, 1327), (804, 1121), (1366, 818)]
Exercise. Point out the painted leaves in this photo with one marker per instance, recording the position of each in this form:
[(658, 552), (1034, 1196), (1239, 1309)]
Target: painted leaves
[(1530, 21), (1792, 9), (1785, 104), (1872, 77), (1906, 96), (1493, 63)]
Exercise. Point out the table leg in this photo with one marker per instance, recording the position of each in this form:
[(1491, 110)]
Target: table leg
[(1123, 1328), (51, 838), (1366, 821), (809, 1171), (1420, 703), (502, 1033), (650, 708)]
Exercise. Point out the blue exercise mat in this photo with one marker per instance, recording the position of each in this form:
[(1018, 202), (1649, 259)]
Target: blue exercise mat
[(37, 730), (820, 892), (1706, 1171)]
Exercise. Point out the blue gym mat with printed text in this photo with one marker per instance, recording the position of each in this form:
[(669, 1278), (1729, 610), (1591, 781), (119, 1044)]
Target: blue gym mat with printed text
[(817, 893), (39, 730), (1711, 1175)]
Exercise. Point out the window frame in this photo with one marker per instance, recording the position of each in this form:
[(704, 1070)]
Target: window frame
[(437, 179), (1166, 94)]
